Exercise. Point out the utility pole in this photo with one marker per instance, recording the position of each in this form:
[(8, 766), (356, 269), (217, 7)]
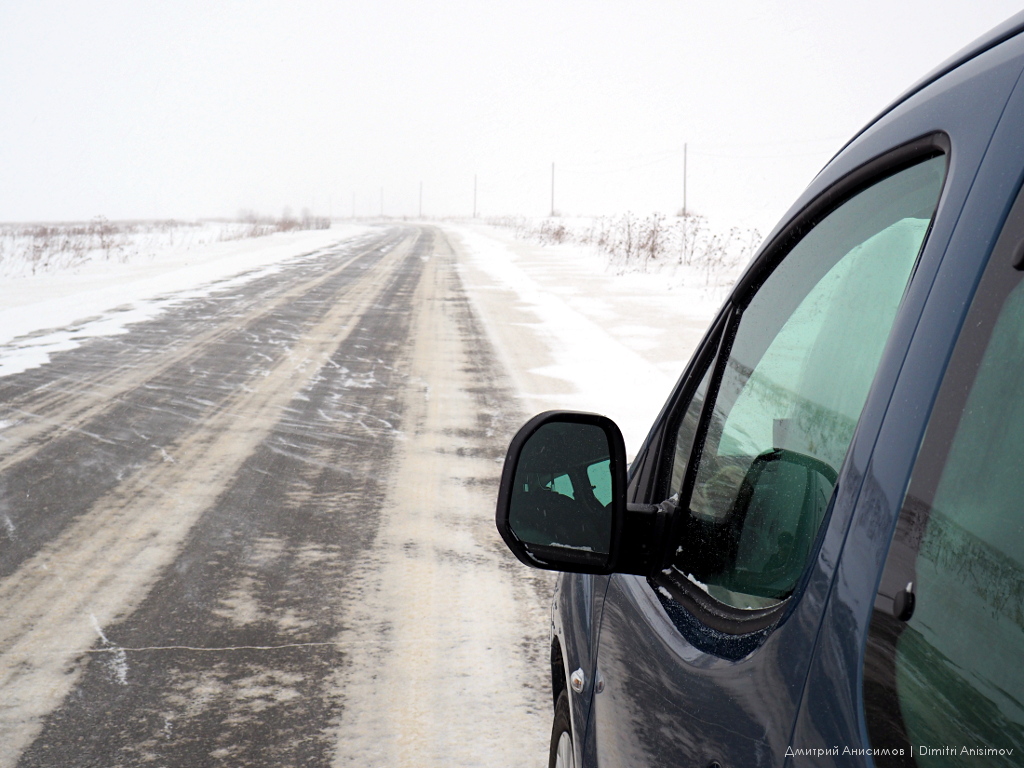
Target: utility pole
[(552, 190), (421, 199), (474, 195), (684, 180)]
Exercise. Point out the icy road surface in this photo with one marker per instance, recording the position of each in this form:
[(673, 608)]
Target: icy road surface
[(253, 526)]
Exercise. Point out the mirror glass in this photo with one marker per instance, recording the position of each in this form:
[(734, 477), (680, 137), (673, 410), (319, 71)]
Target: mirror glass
[(563, 489), (767, 535)]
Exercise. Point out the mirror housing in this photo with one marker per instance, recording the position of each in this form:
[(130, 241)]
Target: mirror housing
[(562, 499)]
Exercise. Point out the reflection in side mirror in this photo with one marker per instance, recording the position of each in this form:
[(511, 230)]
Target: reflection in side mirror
[(562, 492), (562, 470), (771, 527)]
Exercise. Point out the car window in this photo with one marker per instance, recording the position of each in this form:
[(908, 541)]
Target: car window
[(943, 665), (561, 484), (791, 386), (600, 477)]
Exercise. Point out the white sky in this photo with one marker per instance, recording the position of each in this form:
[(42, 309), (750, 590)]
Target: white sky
[(207, 107)]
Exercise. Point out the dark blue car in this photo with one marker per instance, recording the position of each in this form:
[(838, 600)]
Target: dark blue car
[(817, 556)]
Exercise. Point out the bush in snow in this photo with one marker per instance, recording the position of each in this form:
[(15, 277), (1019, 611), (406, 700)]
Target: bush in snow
[(30, 249), (684, 244)]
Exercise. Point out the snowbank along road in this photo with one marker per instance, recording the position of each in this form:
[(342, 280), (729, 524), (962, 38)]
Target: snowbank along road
[(257, 530)]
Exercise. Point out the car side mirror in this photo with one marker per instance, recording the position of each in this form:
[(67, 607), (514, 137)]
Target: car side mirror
[(562, 499)]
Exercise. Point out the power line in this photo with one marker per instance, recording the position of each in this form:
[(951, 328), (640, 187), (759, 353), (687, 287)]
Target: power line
[(711, 149)]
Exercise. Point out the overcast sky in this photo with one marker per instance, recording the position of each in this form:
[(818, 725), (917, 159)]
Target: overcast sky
[(209, 107)]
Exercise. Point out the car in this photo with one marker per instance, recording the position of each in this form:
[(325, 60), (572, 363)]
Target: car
[(817, 555)]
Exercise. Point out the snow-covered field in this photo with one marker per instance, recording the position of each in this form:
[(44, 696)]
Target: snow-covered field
[(688, 249), (32, 249)]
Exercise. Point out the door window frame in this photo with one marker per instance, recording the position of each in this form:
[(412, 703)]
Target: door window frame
[(655, 471)]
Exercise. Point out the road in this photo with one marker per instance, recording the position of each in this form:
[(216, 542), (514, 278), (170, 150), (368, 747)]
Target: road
[(257, 530)]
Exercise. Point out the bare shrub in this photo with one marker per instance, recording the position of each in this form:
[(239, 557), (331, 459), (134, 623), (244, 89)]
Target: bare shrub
[(254, 225), (553, 232), (31, 249), (654, 243)]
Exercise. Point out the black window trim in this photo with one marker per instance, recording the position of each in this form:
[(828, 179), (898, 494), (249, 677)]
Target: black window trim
[(708, 611), (707, 353)]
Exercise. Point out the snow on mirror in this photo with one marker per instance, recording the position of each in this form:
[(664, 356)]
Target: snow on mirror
[(562, 491)]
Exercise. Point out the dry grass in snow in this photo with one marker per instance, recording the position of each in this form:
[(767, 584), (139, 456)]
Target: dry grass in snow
[(32, 249), (685, 246)]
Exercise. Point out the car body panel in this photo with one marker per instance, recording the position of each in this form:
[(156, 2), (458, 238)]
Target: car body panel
[(832, 709), (666, 701), (574, 624)]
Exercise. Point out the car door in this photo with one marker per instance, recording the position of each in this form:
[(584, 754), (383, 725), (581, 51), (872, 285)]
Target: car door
[(919, 663), (704, 664), (954, 577)]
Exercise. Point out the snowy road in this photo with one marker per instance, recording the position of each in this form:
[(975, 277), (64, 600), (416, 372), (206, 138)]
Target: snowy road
[(256, 529)]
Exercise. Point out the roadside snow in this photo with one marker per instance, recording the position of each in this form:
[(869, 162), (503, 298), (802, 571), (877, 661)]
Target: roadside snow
[(46, 313), (575, 335)]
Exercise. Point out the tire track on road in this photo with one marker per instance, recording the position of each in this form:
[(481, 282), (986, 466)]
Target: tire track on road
[(59, 398), (447, 634), (245, 540), (67, 391), (81, 452)]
